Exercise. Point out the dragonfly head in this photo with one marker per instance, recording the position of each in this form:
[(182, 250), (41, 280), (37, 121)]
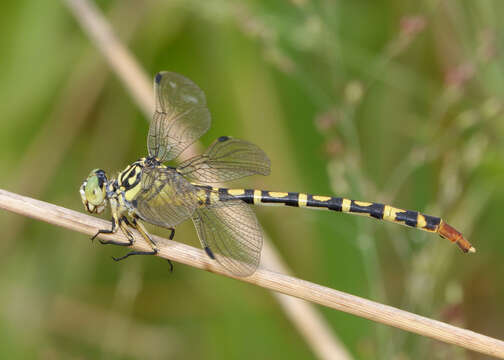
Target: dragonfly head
[(93, 191)]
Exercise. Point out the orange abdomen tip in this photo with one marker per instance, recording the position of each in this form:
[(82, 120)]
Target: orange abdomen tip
[(448, 232)]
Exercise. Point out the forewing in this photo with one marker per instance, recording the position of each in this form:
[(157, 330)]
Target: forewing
[(232, 233), (181, 116), (166, 198), (225, 160)]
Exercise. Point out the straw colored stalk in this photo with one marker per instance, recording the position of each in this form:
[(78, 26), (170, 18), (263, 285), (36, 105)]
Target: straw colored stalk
[(265, 278)]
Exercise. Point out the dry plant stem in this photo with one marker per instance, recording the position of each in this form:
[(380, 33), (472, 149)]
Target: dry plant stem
[(265, 278), (313, 327)]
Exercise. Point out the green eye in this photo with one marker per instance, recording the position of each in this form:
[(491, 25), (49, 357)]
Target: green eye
[(94, 189)]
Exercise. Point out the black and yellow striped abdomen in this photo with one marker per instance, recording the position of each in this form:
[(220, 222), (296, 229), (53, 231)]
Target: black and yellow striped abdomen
[(375, 210)]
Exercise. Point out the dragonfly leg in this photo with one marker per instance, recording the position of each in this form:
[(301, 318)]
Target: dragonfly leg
[(143, 231), (106, 231), (122, 224), (172, 235), (125, 220)]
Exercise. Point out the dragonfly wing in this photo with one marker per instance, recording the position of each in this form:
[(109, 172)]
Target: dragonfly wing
[(225, 160), (230, 233), (165, 198), (181, 116)]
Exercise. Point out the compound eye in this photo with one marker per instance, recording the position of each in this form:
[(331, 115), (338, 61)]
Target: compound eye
[(94, 193)]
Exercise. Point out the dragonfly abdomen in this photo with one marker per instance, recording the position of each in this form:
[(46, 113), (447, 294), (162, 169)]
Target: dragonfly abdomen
[(378, 211)]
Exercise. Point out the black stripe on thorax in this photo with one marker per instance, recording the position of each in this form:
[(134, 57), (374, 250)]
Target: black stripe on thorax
[(124, 175), (129, 173)]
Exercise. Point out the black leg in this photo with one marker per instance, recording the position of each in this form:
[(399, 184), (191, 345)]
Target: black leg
[(124, 219), (149, 240), (105, 231), (153, 252), (113, 242), (172, 235)]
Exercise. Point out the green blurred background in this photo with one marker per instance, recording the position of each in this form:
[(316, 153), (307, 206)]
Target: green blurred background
[(390, 101)]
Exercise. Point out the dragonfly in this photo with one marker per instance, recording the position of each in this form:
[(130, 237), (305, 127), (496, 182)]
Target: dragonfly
[(148, 191)]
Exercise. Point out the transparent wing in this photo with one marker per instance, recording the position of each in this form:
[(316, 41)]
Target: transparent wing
[(181, 116), (225, 160), (230, 233), (165, 198)]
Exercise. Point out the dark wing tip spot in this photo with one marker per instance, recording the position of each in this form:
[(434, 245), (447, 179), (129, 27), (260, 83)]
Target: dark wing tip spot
[(223, 138), (158, 77), (209, 253)]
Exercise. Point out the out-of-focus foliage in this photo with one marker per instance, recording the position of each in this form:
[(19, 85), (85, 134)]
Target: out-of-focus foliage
[(375, 100)]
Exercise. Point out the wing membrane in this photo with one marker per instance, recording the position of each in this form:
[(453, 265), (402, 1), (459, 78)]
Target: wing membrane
[(181, 116), (166, 198), (232, 233), (225, 160)]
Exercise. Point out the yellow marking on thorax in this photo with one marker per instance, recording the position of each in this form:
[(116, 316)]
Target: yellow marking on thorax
[(421, 222), (345, 205), (236, 192), (389, 213), (125, 171), (363, 203), (132, 178), (277, 194), (321, 198), (302, 200), (131, 193), (257, 197)]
